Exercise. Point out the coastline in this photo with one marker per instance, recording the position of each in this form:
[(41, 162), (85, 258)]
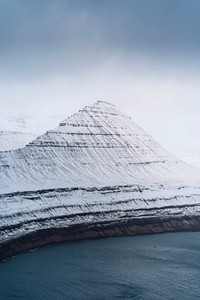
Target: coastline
[(131, 227)]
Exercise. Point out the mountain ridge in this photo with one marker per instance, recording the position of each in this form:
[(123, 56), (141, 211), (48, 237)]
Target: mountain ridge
[(96, 171)]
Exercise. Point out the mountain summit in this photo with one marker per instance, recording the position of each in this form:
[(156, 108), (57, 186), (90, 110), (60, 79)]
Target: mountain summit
[(96, 174), (96, 146)]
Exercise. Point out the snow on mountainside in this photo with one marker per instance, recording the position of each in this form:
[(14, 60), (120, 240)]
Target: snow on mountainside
[(11, 140), (94, 147), (96, 174), (14, 133), (191, 156)]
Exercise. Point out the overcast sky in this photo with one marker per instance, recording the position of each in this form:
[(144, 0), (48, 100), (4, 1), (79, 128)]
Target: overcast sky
[(57, 56)]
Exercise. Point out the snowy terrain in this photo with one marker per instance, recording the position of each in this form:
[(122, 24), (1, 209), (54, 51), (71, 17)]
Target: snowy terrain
[(28, 123), (191, 156), (11, 140), (14, 133), (97, 168)]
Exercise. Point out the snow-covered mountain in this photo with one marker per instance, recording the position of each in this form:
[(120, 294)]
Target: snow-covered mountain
[(11, 140), (28, 123), (191, 156), (97, 174), (14, 133), (18, 131)]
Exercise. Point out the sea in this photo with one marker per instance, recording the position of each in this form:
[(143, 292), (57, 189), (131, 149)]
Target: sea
[(156, 266)]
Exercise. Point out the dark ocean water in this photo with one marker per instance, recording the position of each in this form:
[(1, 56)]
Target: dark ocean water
[(164, 266)]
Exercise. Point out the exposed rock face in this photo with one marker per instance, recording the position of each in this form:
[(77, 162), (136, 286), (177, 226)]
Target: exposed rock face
[(97, 174), (11, 140)]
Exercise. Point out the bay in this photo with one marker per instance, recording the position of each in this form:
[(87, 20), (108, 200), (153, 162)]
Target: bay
[(161, 266)]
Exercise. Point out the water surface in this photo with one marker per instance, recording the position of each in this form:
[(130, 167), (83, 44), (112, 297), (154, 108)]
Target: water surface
[(164, 266)]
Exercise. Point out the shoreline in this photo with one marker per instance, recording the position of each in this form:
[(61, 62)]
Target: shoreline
[(78, 232)]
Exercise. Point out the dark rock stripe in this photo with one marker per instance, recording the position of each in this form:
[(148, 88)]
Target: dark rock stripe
[(130, 227)]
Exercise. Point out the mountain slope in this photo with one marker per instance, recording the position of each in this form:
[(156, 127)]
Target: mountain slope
[(97, 174), (95, 147)]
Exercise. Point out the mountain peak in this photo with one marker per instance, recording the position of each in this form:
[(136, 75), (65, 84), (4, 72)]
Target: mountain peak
[(96, 145), (91, 113), (97, 174), (104, 103), (100, 105)]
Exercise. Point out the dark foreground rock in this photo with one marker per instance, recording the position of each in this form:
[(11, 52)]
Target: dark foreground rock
[(78, 232)]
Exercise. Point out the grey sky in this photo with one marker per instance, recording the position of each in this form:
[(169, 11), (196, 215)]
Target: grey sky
[(72, 35), (143, 55)]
